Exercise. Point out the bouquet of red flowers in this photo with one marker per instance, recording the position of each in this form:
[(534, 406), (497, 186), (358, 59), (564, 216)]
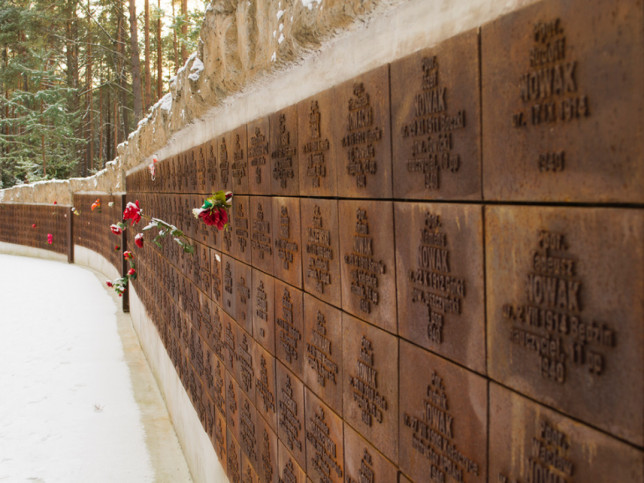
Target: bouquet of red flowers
[(214, 210)]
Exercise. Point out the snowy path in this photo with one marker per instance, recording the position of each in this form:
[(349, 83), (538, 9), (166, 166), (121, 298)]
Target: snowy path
[(77, 400)]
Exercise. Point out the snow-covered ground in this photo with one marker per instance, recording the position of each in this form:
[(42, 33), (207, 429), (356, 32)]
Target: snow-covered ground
[(77, 400)]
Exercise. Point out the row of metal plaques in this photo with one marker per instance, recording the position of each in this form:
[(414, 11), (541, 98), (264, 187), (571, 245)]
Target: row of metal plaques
[(540, 105)]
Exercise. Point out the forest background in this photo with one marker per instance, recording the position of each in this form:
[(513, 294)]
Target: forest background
[(76, 76)]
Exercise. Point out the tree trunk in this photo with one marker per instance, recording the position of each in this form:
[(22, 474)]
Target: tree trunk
[(136, 64), (90, 116), (148, 76), (159, 56), (184, 31), (174, 39)]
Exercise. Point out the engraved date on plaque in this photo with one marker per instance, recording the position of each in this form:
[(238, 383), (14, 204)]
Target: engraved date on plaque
[(432, 436), (433, 283), (550, 323), (365, 269), (361, 137), (431, 129), (364, 385)]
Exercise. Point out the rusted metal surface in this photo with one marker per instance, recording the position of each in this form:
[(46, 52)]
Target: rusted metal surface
[(529, 442), (435, 109), (284, 156), (363, 137), (316, 117), (440, 279), (243, 282), (321, 250), (564, 310), (263, 311), (370, 383), (261, 233), (240, 228), (289, 327), (290, 413), (259, 157), (287, 240), (363, 462), (324, 441), (443, 427), (289, 469), (322, 340), (239, 166), (562, 103), (17, 220), (265, 388), (267, 452), (368, 271)]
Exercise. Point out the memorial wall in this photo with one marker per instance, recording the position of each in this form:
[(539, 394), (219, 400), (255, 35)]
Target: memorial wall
[(433, 271)]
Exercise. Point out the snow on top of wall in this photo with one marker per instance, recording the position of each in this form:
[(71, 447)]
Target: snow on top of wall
[(309, 3), (195, 70), (165, 102)]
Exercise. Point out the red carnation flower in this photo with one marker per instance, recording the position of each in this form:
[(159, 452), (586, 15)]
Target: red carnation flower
[(117, 248), (116, 229), (50, 238), (109, 284), (33, 226), (127, 254), (132, 212), (138, 240), (55, 202), (131, 272)]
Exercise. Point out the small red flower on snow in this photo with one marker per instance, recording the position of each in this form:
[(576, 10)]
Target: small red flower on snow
[(50, 238), (33, 226), (127, 255), (138, 240), (55, 202), (96, 204), (116, 229), (132, 212), (131, 272)]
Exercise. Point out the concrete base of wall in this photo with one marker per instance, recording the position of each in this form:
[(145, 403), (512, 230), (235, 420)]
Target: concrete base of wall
[(197, 448), (89, 258)]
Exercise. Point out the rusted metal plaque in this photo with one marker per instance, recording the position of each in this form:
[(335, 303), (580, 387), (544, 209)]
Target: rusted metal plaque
[(316, 117), (290, 412), (229, 342), (287, 250), (289, 470), (324, 441), (265, 395), (219, 383), (443, 419), (225, 162), (564, 310), (435, 101), (263, 299), (321, 249), (529, 442), (323, 351), (233, 458), (362, 131), (219, 437), (245, 367), (370, 382), (247, 420), (267, 452), (562, 103), (228, 265), (261, 233), (216, 277), (259, 165), (243, 299), (285, 177), (368, 271), (363, 462), (240, 228), (439, 270), (289, 327), (239, 166), (212, 167), (233, 394), (248, 472)]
